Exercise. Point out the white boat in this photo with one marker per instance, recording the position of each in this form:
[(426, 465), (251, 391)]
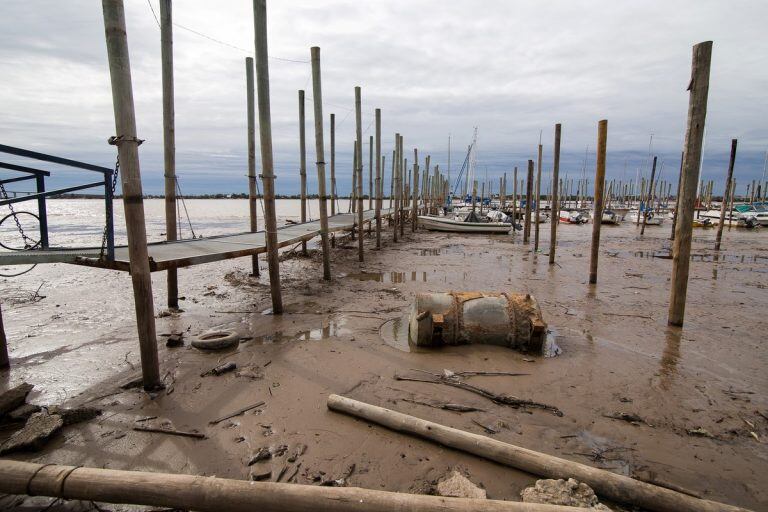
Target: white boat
[(573, 217), (434, 223), (651, 220), (610, 217), (735, 217)]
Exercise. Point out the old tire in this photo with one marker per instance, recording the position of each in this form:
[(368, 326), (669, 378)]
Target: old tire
[(216, 340)]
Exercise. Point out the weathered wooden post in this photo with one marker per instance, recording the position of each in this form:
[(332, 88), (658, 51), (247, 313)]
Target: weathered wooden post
[(528, 198), (415, 205), (353, 190), (370, 172), (379, 170), (514, 200), (267, 163), (169, 140), (396, 185), (359, 131), (5, 361), (555, 206), (649, 201), (392, 179), (726, 195), (602, 138), (317, 94), (133, 203), (303, 165), (333, 164), (403, 170), (252, 195), (474, 194), (697, 113), (733, 196), (538, 201)]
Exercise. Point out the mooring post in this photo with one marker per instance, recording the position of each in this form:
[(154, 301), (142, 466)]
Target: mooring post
[(641, 203), (267, 163), (370, 172), (5, 361), (697, 113), (303, 166), (555, 206), (379, 190), (392, 179), (169, 140), (650, 197), (317, 94), (538, 201), (474, 194), (333, 164), (359, 131), (514, 201), (353, 190), (252, 195), (726, 195), (528, 199), (415, 194), (396, 185), (133, 204), (602, 138), (403, 170)]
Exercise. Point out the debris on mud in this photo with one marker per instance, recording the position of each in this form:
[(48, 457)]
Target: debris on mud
[(14, 397), (456, 485), (569, 492), (40, 427)]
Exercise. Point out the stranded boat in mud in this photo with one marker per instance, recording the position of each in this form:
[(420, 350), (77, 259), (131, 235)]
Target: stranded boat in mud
[(573, 217), (651, 218), (469, 224), (610, 217)]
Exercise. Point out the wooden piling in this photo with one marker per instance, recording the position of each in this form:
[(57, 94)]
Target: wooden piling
[(602, 139), (267, 163), (555, 207), (649, 200), (317, 94), (169, 140), (252, 194), (396, 186), (5, 361), (538, 201), (514, 201), (415, 204), (697, 113), (133, 203), (379, 185), (370, 172), (333, 164), (474, 194), (528, 199), (303, 166), (726, 195)]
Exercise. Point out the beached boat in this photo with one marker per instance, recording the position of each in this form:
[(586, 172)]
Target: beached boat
[(573, 217), (610, 217), (735, 217), (651, 220), (434, 223)]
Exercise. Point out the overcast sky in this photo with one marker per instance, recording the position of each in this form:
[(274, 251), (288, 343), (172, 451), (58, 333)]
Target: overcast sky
[(511, 68)]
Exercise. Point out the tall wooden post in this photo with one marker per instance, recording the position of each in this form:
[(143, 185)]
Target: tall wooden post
[(726, 195), (359, 131), (133, 203), (252, 196), (474, 194), (379, 186), (333, 164), (303, 165), (370, 172), (317, 94), (697, 113), (602, 138), (392, 177), (415, 194), (649, 201), (267, 163), (514, 199), (555, 206), (528, 198), (353, 190), (677, 196), (396, 185), (403, 170), (538, 201), (169, 140)]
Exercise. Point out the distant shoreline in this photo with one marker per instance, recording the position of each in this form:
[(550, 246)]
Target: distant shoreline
[(201, 196)]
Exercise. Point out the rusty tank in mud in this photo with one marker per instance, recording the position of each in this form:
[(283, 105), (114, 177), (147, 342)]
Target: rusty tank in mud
[(507, 319)]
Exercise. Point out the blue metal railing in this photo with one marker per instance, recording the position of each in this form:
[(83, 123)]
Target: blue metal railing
[(41, 194)]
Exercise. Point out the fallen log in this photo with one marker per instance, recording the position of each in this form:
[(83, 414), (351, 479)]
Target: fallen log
[(605, 483), (236, 413), (211, 494)]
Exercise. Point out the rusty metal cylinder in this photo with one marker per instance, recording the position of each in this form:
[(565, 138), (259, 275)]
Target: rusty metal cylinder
[(454, 318)]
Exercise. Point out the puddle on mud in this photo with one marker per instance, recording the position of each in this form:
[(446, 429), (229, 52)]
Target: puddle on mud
[(388, 277), (700, 257), (331, 328), (446, 249)]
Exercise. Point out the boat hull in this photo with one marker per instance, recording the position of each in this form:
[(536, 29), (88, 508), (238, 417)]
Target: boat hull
[(455, 226)]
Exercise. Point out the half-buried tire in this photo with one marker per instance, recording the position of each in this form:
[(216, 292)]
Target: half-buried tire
[(216, 340)]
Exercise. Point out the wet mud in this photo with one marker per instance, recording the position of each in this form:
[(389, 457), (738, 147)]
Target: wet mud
[(700, 392)]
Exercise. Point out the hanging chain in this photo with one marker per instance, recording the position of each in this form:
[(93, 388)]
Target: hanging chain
[(109, 218), (27, 241)]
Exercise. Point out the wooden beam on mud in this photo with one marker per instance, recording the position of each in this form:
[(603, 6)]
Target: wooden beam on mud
[(602, 140), (267, 163), (128, 151), (317, 94), (697, 114)]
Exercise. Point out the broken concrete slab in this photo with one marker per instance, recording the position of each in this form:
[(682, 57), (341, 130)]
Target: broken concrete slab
[(456, 485), (36, 432), (569, 492), (75, 414), (23, 412), (14, 397)]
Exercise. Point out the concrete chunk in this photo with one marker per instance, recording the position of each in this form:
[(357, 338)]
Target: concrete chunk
[(456, 485), (14, 397), (36, 432), (569, 492)]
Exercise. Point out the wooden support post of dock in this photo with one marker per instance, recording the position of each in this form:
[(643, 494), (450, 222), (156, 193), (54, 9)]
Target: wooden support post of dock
[(169, 140), (379, 169), (317, 95), (538, 201), (333, 164), (403, 170), (555, 206), (359, 132), (303, 165), (267, 163), (370, 172), (514, 200), (697, 113), (396, 184), (133, 203), (252, 194), (426, 175), (649, 201), (415, 193), (5, 361), (528, 199), (474, 194), (726, 195), (602, 139)]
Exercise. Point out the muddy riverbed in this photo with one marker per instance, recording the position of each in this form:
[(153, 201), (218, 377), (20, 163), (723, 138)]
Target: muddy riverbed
[(700, 391)]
